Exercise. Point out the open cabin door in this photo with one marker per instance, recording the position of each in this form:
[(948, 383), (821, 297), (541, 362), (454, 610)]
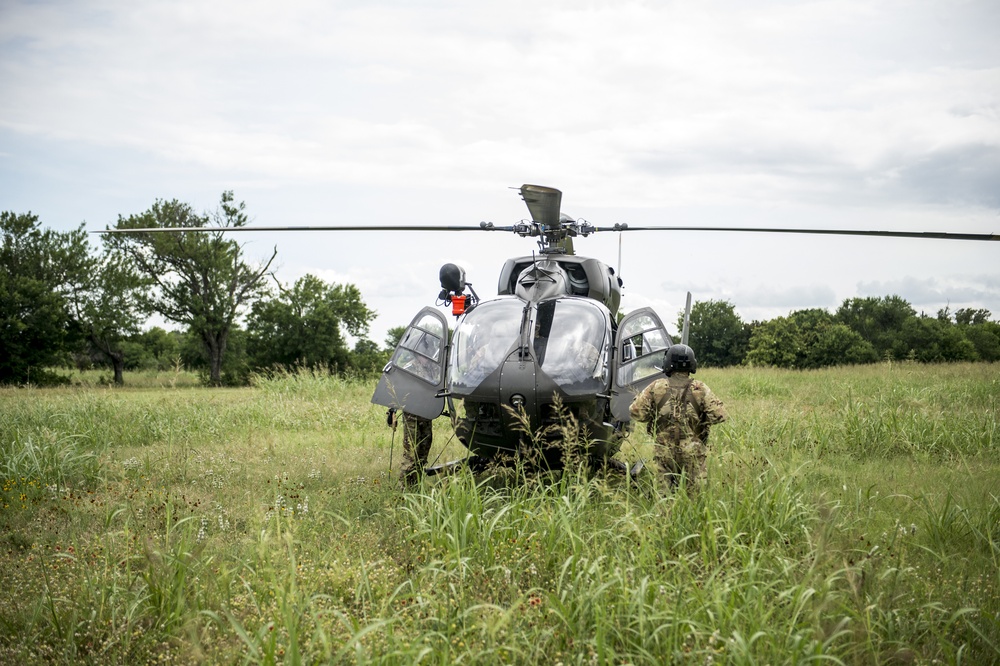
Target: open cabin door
[(638, 360), (413, 379)]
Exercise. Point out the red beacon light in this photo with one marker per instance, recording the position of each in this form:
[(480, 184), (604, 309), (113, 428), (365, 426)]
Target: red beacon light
[(458, 305)]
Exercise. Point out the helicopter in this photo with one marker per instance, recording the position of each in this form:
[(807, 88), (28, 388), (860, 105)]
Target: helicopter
[(551, 348), (547, 350)]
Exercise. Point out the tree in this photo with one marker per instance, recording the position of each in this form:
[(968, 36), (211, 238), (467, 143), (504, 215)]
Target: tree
[(968, 316), (985, 337), (302, 325), (393, 336), (367, 358), (717, 334), (930, 340), (154, 349), (837, 344), (879, 321), (201, 278), (161, 347), (37, 270), (807, 339), (774, 343), (108, 306)]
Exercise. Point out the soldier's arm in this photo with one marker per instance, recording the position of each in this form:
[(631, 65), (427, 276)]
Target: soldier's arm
[(641, 407), (715, 411)]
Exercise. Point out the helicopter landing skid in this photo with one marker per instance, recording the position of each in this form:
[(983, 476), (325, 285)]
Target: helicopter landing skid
[(475, 463), (480, 464)]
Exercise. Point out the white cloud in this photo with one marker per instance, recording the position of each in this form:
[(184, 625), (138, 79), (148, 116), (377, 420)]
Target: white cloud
[(838, 113)]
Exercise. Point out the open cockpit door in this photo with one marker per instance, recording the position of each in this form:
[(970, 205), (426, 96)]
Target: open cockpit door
[(413, 379), (638, 359)]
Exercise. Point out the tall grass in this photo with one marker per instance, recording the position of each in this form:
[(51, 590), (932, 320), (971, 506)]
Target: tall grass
[(852, 516)]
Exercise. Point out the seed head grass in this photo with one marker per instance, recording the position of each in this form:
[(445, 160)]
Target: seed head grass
[(852, 515)]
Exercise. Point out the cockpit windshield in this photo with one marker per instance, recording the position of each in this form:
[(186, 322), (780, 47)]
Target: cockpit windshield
[(484, 339), (571, 341)]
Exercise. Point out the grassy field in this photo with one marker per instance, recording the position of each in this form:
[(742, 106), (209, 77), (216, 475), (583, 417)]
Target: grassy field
[(852, 516)]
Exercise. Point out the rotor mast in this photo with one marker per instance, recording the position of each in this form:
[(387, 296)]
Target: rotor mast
[(555, 230)]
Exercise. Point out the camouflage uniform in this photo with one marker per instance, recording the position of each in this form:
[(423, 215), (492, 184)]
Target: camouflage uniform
[(417, 437), (678, 412)]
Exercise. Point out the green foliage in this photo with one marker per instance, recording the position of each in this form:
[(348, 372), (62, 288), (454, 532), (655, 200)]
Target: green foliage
[(931, 340), (717, 334), (259, 525), (201, 279), (154, 349), (367, 359), (39, 270), (393, 336), (970, 316), (235, 368), (50, 458), (807, 339), (878, 320), (985, 337), (302, 326), (109, 306)]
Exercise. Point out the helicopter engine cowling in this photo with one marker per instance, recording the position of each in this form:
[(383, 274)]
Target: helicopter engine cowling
[(542, 280), (584, 277)]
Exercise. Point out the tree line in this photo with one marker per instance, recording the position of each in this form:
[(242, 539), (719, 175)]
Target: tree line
[(64, 302), (862, 330)]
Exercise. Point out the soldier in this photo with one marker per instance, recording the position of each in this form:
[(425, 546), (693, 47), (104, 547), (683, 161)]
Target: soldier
[(418, 433), (417, 436), (678, 412)]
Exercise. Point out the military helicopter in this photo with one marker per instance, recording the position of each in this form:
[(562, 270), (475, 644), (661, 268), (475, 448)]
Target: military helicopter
[(548, 350)]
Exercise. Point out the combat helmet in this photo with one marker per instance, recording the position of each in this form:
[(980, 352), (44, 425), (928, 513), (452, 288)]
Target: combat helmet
[(679, 358)]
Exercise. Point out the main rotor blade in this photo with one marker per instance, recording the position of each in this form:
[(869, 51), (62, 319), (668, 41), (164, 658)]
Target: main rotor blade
[(543, 203), (835, 232), (327, 228)]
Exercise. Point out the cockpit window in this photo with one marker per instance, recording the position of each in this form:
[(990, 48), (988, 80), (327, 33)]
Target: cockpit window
[(571, 340), (483, 340)]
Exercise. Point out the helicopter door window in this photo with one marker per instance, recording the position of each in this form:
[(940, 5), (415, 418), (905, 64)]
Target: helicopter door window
[(642, 344), (419, 351)]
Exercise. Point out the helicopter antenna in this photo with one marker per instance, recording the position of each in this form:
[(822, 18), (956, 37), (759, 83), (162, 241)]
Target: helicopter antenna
[(619, 269), (687, 320)]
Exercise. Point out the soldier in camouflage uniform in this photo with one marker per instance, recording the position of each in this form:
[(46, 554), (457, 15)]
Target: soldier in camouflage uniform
[(678, 412), (418, 434)]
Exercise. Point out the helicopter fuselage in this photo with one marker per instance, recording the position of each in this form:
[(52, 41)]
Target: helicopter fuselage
[(543, 365), (533, 376)]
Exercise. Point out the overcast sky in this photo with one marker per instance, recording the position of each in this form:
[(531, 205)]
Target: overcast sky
[(870, 114)]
